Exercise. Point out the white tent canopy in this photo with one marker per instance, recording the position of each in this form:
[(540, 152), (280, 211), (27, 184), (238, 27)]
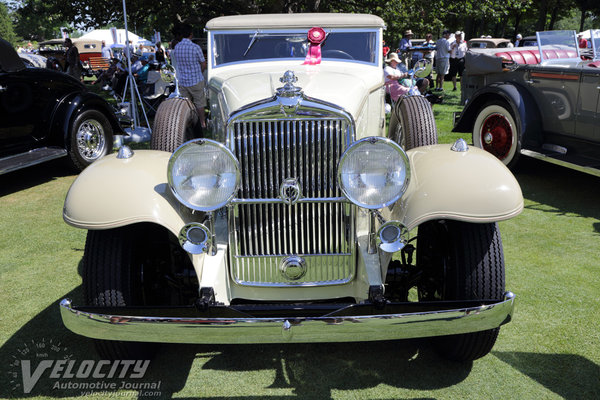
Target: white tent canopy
[(587, 34), (104, 34)]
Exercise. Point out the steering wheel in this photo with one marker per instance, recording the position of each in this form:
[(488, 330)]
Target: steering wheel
[(337, 54)]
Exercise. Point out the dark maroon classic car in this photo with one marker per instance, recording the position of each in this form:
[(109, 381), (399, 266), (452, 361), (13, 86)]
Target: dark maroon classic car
[(541, 102), (46, 114)]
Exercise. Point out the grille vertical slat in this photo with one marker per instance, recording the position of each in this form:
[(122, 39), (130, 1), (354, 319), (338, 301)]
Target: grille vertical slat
[(269, 152)]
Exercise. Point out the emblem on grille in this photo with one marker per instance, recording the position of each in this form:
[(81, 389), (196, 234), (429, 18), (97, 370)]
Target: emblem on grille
[(289, 191), (293, 268)]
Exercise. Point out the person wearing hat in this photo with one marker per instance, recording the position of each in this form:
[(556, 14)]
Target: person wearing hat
[(519, 38), (392, 75), (405, 44), (142, 73), (442, 59)]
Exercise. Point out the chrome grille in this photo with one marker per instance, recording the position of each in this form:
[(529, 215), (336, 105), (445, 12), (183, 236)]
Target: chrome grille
[(265, 230)]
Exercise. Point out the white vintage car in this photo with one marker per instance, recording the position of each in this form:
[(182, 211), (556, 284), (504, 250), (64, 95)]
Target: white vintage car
[(301, 218)]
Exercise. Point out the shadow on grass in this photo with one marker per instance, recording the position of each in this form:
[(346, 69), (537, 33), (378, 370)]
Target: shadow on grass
[(569, 376), (309, 370), (566, 191), (32, 176)]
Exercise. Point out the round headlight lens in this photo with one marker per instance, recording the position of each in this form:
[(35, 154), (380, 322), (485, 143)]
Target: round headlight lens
[(374, 172), (203, 174)]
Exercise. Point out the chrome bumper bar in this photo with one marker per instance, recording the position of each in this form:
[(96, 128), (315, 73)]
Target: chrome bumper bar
[(330, 328)]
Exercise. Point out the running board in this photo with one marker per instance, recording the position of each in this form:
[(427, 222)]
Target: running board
[(560, 159), (32, 157)]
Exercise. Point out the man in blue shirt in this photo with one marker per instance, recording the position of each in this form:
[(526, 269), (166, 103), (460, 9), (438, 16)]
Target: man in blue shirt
[(189, 63), (404, 45)]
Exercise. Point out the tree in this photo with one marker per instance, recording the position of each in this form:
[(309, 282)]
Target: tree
[(6, 27), (39, 20)]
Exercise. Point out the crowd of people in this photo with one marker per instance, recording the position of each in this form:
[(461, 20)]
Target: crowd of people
[(447, 54)]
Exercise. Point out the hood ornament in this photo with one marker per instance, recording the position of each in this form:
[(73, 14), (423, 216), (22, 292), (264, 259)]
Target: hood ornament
[(289, 96), (288, 90)]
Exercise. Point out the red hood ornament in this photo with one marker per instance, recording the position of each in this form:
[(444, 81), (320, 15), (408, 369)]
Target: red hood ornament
[(315, 36)]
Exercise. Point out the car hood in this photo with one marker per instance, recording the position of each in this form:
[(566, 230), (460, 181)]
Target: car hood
[(346, 86)]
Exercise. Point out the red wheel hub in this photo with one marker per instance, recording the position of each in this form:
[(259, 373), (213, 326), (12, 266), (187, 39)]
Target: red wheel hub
[(497, 135)]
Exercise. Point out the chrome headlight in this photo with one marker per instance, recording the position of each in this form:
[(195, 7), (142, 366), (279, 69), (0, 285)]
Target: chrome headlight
[(203, 174), (374, 172)]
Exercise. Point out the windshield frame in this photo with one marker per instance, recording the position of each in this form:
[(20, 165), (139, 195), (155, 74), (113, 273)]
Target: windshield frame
[(595, 36), (258, 33), (568, 35)]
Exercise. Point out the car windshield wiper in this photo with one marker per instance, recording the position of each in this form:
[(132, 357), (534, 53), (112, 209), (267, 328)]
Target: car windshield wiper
[(251, 43)]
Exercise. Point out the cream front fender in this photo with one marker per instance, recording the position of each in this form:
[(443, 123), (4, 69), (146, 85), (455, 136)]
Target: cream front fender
[(470, 186), (116, 192)]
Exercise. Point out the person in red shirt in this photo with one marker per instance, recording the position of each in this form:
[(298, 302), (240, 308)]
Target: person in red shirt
[(582, 42)]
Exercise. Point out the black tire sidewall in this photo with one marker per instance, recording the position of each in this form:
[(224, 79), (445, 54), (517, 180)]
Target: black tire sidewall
[(416, 123), (174, 124)]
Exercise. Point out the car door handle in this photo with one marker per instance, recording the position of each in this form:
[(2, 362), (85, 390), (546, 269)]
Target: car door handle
[(531, 81)]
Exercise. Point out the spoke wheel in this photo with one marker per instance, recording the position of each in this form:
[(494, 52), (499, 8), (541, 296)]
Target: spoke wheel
[(91, 138)]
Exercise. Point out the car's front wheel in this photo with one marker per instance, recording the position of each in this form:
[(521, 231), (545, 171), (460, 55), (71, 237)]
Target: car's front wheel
[(496, 132), (131, 266), (461, 261), (91, 138)]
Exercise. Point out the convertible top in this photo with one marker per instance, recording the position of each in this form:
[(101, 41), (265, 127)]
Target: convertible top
[(291, 21), (9, 59)]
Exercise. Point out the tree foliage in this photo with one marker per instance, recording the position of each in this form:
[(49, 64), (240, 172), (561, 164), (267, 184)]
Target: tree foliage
[(6, 27), (475, 17)]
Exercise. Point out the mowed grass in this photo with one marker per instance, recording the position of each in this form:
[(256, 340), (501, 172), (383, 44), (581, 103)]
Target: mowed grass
[(549, 351)]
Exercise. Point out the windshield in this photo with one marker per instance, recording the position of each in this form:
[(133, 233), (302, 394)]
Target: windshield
[(563, 43), (256, 45)]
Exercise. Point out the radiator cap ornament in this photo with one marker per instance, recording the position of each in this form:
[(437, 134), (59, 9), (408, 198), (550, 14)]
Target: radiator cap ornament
[(293, 268)]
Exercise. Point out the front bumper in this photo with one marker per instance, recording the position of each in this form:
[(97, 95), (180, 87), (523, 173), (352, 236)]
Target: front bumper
[(348, 323)]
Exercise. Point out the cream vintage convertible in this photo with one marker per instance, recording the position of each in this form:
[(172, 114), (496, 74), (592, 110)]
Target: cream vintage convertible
[(301, 217)]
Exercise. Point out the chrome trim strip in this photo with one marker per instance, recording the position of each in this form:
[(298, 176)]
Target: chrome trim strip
[(281, 329), (301, 200), (544, 157)]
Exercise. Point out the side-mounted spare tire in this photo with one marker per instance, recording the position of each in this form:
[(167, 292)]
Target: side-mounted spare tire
[(174, 124), (413, 123)]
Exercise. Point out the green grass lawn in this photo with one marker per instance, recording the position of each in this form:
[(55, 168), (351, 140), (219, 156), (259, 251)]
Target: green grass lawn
[(549, 351)]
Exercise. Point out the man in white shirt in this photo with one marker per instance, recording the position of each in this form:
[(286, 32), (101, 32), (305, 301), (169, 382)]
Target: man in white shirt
[(106, 51), (458, 50), (442, 59)]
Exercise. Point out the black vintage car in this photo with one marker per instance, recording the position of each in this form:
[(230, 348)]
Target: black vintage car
[(46, 114), (540, 102)]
